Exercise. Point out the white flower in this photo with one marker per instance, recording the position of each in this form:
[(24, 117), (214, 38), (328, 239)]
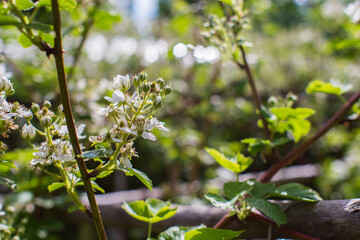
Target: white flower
[(28, 131), (126, 162), (154, 123), (96, 139), (128, 130), (5, 84), (117, 97), (58, 150), (63, 130), (148, 135), (122, 82)]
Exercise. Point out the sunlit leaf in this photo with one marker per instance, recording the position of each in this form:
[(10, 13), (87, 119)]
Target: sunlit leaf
[(236, 164), (104, 20), (221, 202), (177, 233), (211, 234), (256, 145), (24, 41), (55, 186), (24, 4), (327, 87), (152, 210), (6, 20), (67, 5)]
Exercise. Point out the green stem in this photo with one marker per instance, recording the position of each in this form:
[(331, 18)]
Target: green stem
[(149, 231), (58, 54)]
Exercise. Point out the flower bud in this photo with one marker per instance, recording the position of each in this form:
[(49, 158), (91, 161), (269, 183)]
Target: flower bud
[(46, 121), (136, 81), (145, 87), (167, 90), (60, 108), (47, 104), (122, 82), (28, 131), (35, 107), (161, 82), (142, 76), (158, 102), (6, 86)]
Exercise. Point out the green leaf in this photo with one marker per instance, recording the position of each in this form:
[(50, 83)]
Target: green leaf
[(293, 120), (259, 189), (6, 20), (6, 166), (24, 4), (271, 210), (104, 20), (104, 174), (295, 191), (48, 38), (279, 142), (46, 28), (97, 153), (24, 41), (152, 210), (177, 233), (68, 5), (55, 186), (329, 88), (97, 187), (72, 208), (211, 234), (228, 2), (233, 189), (221, 202), (256, 145), (142, 177), (284, 113), (236, 165)]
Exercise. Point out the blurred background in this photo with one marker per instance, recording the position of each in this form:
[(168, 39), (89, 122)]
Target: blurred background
[(292, 43)]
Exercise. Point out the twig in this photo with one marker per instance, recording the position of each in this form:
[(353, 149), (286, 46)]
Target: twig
[(58, 54), (255, 93), (290, 157)]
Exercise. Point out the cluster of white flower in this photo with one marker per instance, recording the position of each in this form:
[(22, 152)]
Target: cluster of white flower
[(57, 146), (9, 111), (131, 108)]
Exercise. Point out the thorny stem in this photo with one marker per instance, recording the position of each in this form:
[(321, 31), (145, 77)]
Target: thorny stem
[(58, 54)]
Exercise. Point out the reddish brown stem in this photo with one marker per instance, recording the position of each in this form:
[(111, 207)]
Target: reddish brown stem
[(254, 91), (290, 157)]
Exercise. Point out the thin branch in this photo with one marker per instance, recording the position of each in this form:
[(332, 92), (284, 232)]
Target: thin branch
[(58, 54), (255, 93), (290, 157)]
